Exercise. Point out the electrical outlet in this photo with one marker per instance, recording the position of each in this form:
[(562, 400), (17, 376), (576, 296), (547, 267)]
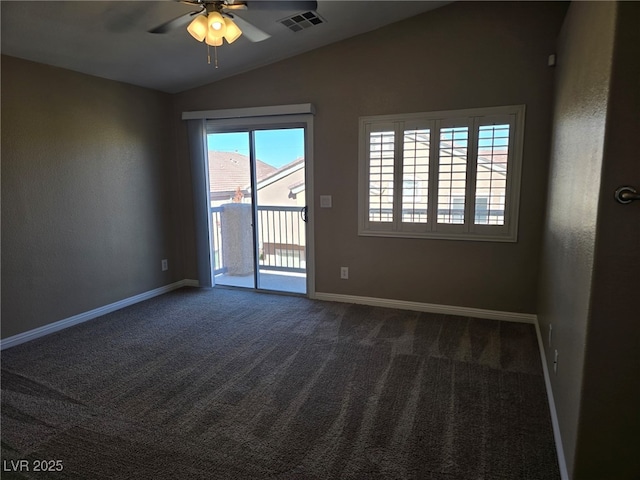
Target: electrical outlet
[(165, 265), (555, 362), (550, 331), (344, 273)]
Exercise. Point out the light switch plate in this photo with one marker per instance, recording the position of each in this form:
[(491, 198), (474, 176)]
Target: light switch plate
[(325, 201)]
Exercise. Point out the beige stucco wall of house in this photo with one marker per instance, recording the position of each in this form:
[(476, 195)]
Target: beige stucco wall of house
[(277, 192)]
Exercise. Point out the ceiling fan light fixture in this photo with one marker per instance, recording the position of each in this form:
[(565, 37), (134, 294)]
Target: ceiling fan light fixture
[(198, 28), (216, 23), (213, 39), (232, 32)]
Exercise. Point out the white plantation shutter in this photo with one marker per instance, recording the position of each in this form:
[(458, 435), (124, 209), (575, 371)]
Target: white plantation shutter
[(415, 175), (452, 175), (491, 174), (453, 153), (381, 175)]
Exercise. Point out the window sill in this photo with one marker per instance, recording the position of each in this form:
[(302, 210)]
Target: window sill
[(474, 237)]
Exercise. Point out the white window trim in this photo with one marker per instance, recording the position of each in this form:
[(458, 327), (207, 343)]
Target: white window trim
[(251, 112), (432, 230)]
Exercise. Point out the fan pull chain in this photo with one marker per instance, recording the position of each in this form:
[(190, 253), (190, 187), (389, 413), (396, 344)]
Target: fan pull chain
[(215, 55)]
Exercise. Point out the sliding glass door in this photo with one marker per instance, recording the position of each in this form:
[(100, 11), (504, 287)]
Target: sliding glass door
[(230, 181), (258, 208)]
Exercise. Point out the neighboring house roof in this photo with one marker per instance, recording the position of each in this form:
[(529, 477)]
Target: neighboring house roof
[(230, 170), (489, 159), (281, 172), (495, 159), (296, 187)]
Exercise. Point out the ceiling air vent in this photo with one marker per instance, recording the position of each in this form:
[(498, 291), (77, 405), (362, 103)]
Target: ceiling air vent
[(300, 21)]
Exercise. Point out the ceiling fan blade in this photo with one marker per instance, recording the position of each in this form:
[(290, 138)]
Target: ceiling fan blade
[(282, 5), (253, 33), (177, 22)]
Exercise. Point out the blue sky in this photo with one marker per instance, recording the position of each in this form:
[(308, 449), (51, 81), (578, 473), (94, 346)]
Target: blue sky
[(275, 147)]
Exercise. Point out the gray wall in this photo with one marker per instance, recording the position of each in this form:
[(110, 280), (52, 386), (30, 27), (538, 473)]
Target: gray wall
[(86, 193), (591, 254), (608, 445), (464, 55)]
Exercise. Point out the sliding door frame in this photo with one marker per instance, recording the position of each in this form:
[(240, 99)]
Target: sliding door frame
[(265, 118)]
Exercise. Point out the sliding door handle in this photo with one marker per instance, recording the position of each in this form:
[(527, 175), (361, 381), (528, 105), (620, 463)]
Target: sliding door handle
[(627, 194), (304, 211)]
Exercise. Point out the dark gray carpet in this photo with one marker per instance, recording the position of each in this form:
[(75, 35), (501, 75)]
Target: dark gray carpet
[(224, 384)]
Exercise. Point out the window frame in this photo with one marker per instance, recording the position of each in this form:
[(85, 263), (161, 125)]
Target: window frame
[(513, 115)]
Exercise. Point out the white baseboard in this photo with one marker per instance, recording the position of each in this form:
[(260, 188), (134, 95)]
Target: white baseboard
[(429, 307), (564, 473), (90, 315)]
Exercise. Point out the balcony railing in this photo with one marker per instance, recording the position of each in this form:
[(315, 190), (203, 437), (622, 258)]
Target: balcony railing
[(281, 238), (216, 240)]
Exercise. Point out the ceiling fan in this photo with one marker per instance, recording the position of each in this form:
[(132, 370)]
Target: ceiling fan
[(217, 14)]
